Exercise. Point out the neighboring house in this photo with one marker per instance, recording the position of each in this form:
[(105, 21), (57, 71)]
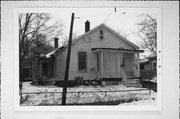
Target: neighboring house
[(43, 66), (32, 65), (98, 53), (148, 67)]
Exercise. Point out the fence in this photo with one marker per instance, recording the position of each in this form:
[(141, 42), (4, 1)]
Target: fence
[(105, 92)]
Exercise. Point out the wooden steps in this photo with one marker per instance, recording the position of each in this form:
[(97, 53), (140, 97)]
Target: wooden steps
[(47, 81), (133, 83), (109, 83)]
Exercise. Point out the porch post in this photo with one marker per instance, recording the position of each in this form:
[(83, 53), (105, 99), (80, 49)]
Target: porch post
[(119, 64), (40, 68), (136, 66), (34, 72), (54, 70), (102, 64), (138, 74)]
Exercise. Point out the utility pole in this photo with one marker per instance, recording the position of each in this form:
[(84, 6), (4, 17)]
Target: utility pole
[(67, 63), (115, 9)]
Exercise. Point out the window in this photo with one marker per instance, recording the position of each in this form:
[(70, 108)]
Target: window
[(146, 67), (101, 35), (101, 32), (82, 64), (154, 66)]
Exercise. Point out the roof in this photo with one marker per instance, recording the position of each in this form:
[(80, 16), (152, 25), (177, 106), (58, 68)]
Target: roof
[(152, 57), (148, 59), (109, 29), (117, 49), (49, 54), (144, 61), (94, 29)]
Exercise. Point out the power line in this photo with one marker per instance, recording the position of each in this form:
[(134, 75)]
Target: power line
[(107, 17), (81, 17), (100, 15)]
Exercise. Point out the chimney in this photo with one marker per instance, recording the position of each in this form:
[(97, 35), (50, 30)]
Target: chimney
[(56, 43), (87, 26)]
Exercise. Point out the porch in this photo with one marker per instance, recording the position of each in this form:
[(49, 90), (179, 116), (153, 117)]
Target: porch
[(43, 71), (118, 66)]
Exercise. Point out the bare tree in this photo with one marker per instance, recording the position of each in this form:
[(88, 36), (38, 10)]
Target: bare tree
[(35, 31), (35, 27), (148, 32)]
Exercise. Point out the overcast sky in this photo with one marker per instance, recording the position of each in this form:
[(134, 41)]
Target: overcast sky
[(124, 20)]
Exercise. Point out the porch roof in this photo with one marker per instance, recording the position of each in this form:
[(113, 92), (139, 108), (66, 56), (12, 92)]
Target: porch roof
[(116, 49)]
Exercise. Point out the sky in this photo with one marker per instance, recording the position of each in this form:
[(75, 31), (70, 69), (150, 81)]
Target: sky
[(124, 20)]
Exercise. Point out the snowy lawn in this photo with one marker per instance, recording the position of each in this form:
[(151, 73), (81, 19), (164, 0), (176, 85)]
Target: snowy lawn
[(88, 95)]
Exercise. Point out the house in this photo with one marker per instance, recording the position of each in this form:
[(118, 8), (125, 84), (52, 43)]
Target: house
[(100, 53), (148, 67), (43, 66)]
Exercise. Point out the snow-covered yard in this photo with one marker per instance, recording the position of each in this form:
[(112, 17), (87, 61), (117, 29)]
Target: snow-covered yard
[(87, 95)]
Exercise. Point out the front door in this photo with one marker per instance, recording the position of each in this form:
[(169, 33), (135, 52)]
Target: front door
[(45, 69)]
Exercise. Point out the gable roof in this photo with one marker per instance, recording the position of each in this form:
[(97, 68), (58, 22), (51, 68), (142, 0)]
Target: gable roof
[(109, 29), (94, 29)]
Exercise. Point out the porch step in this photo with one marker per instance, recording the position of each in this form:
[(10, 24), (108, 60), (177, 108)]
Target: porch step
[(47, 82), (109, 83), (133, 83)]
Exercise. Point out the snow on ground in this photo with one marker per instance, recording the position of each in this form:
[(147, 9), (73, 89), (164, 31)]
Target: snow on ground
[(128, 97), (141, 102), (27, 87)]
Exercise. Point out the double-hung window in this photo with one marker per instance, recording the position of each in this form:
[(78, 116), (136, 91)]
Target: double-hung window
[(82, 61)]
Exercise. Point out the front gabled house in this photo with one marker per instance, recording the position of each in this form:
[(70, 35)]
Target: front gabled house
[(98, 53)]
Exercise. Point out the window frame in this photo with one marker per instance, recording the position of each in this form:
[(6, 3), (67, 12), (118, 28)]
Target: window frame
[(101, 34), (146, 67), (78, 67), (154, 68)]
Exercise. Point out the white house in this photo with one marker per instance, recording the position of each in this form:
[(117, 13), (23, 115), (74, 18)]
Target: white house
[(98, 53)]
